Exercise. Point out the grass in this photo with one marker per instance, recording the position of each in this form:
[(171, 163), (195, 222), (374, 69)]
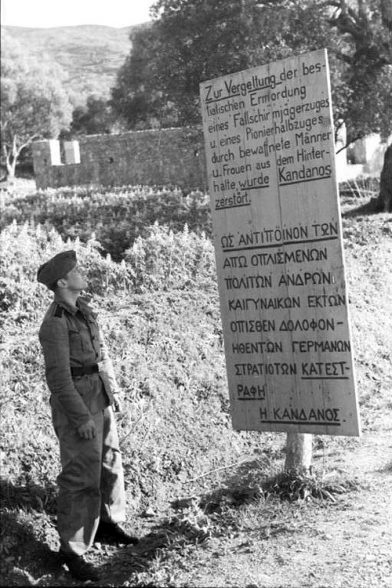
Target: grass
[(183, 462)]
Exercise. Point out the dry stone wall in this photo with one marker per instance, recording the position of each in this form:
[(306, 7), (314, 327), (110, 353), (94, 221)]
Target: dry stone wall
[(153, 157)]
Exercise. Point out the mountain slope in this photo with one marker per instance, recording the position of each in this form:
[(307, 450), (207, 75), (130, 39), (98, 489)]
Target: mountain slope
[(89, 54)]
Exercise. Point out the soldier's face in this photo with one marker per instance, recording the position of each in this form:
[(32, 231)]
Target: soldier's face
[(76, 280)]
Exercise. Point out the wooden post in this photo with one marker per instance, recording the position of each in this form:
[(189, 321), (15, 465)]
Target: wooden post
[(298, 452)]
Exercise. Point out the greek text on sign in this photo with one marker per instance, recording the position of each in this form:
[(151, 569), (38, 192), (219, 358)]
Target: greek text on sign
[(277, 232)]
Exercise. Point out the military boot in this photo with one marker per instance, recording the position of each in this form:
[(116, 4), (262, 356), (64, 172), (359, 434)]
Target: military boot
[(114, 533), (79, 568)]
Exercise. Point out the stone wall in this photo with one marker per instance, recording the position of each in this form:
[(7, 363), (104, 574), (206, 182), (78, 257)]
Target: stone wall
[(153, 157), (159, 157)]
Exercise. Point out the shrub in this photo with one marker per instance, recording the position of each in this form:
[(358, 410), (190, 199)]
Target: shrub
[(116, 216), (159, 310)]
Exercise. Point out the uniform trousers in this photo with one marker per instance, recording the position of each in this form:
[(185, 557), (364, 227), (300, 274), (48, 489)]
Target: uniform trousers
[(91, 483)]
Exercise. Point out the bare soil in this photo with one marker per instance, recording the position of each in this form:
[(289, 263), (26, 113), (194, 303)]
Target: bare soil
[(270, 544), (346, 544)]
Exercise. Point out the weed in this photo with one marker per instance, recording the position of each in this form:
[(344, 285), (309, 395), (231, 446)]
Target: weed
[(361, 187), (294, 485)]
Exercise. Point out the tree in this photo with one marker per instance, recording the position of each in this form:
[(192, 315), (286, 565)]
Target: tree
[(368, 60), (187, 43), (194, 40), (94, 117), (138, 97), (360, 49), (34, 103)]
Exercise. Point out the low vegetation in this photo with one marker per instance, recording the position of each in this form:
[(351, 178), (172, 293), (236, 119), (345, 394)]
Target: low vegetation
[(116, 216), (159, 309)]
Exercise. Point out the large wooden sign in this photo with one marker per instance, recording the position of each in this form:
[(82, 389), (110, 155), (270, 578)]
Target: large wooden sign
[(277, 232)]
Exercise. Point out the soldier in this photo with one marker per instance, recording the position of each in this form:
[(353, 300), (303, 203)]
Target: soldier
[(80, 376)]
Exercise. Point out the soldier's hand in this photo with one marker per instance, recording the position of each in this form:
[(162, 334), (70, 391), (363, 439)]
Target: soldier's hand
[(117, 404), (87, 430)]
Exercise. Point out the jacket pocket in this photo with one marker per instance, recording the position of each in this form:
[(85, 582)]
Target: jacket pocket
[(75, 343)]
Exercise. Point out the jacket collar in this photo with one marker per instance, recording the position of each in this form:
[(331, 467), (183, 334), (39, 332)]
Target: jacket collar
[(67, 306)]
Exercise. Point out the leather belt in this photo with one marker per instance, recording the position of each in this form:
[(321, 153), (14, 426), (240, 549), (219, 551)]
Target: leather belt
[(84, 370)]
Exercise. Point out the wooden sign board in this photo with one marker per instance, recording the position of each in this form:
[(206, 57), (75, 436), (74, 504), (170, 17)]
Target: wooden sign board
[(277, 233)]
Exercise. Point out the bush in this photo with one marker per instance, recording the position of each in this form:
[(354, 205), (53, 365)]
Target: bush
[(116, 216), (160, 313)]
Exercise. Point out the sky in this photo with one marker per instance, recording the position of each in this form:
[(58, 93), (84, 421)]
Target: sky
[(55, 13)]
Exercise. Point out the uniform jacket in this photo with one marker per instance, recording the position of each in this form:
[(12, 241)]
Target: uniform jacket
[(72, 338)]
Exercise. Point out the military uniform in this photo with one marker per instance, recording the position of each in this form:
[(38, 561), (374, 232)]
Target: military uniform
[(81, 380)]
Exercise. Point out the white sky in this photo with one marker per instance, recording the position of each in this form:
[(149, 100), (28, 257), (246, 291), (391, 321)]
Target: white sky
[(55, 13)]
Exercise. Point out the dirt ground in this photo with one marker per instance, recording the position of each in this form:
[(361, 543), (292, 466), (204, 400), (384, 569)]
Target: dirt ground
[(341, 544), (345, 545)]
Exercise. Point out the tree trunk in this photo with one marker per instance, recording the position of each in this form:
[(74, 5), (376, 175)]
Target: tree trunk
[(384, 201), (386, 12), (298, 452), (12, 154), (11, 167), (11, 157)]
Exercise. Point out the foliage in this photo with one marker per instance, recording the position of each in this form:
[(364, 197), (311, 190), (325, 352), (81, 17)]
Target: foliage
[(160, 314), (33, 101), (165, 261), (163, 290), (294, 486), (136, 97), (116, 217), (171, 381), (358, 38), (361, 187), (189, 43), (93, 118), (192, 40)]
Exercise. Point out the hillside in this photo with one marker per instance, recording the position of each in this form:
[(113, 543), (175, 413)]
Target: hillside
[(90, 54), (204, 499)]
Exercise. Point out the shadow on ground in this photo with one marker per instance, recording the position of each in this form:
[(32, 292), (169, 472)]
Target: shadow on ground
[(28, 539), (29, 542), (29, 495), (127, 562), (25, 553), (184, 528)]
